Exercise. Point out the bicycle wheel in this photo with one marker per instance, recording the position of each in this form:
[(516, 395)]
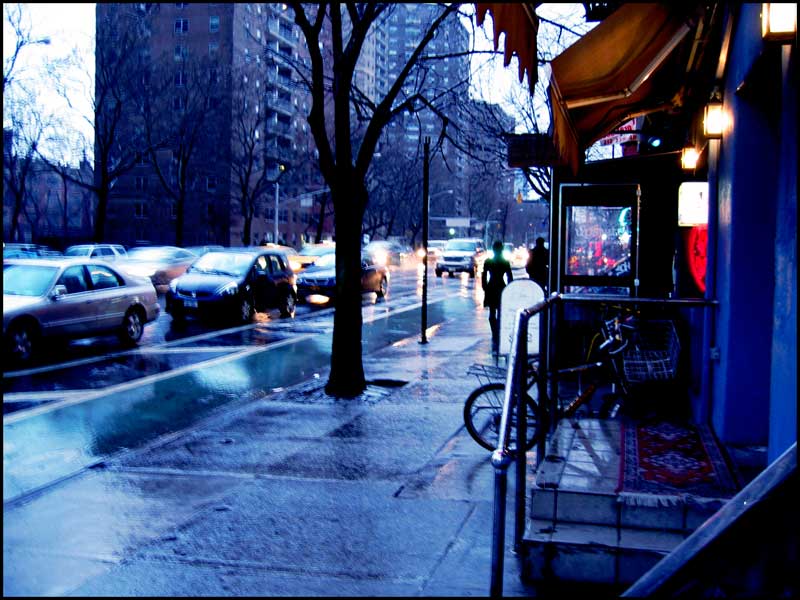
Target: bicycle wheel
[(483, 411)]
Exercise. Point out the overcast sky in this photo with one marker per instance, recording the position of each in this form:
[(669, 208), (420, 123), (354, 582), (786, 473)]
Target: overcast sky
[(71, 25)]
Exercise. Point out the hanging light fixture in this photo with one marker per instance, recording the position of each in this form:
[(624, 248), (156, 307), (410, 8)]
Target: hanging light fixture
[(779, 22), (689, 157), (714, 117)]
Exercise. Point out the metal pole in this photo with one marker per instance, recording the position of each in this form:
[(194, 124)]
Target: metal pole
[(277, 193), (522, 421), (425, 182)]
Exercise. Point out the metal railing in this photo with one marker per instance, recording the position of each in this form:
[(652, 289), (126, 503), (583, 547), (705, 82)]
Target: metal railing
[(514, 398), (502, 457)]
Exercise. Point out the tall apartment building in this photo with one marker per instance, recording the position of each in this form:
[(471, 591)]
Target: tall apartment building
[(217, 80)]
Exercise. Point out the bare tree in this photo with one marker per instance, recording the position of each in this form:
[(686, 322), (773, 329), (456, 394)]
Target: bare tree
[(250, 172), (115, 119), (345, 158), (15, 16), (180, 111)]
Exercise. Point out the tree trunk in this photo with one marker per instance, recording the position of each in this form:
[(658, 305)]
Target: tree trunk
[(100, 217), (347, 369)]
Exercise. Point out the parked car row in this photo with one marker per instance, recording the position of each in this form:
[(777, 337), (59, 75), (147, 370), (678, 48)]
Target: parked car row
[(90, 292), (71, 297)]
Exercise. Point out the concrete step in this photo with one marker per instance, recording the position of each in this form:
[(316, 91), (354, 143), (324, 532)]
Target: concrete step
[(598, 554), (557, 505)]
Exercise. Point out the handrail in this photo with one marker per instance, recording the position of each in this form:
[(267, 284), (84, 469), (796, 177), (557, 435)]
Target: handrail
[(514, 396), (515, 391)]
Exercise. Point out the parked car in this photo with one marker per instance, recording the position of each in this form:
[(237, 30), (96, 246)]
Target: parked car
[(234, 283), (462, 255), (108, 252), (71, 298), (386, 252), (22, 250), (320, 279), (200, 250), (161, 264), (311, 252), (291, 254)]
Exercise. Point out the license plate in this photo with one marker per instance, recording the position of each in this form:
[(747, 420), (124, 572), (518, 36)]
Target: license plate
[(190, 303)]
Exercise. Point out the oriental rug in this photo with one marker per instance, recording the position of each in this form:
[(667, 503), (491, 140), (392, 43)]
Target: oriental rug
[(663, 463)]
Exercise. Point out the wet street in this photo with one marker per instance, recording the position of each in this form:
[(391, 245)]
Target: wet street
[(214, 464), (91, 398)]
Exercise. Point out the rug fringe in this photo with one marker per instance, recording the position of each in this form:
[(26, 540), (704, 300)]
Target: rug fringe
[(654, 500)]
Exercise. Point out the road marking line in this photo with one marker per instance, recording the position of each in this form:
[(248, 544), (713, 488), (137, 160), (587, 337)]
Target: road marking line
[(93, 394), (143, 381)]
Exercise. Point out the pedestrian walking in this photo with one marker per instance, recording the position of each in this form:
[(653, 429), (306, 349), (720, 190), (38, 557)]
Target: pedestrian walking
[(495, 277), (538, 260)]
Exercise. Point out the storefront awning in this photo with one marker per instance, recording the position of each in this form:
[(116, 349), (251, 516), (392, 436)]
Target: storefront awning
[(612, 74), (520, 25), (617, 71)]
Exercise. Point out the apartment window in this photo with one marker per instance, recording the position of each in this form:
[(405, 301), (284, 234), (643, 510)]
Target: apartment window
[(181, 25), (213, 24), (141, 183), (213, 75), (140, 210), (211, 183), (213, 48), (180, 78), (140, 160), (178, 103), (181, 52)]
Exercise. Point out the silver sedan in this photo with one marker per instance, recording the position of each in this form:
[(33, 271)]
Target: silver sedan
[(71, 298)]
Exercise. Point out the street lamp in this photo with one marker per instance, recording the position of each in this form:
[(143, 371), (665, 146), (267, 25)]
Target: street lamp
[(281, 171)]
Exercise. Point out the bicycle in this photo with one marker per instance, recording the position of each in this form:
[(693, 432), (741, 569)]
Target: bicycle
[(629, 353)]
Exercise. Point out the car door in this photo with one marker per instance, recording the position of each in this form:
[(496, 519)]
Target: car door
[(108, 298), (261, 282), (71, 313)]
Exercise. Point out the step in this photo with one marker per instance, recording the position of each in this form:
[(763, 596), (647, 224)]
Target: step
[(598, 554)]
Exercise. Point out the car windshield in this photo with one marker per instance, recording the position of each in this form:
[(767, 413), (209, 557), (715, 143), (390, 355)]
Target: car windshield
[(227, 263), (326, 260), (152, 253), (27, 280), (316, 250), (77, 251), (460, 245)]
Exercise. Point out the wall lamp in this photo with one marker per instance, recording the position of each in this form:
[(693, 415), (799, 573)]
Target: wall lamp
[(714, 117), (779, 22), (689, 157)]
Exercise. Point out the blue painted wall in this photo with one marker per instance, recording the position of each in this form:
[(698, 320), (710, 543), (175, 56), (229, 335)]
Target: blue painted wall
[(746, 178), (754, 393), (783, 391)]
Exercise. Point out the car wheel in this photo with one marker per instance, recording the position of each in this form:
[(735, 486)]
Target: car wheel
[(21, 341), (132, 327), (245, 310), (438, 273), (383, 288), (289, 305)]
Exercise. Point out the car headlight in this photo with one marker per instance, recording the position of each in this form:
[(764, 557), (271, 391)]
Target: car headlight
[(295, 266), (506, 254), (229, 289), (380, 258)]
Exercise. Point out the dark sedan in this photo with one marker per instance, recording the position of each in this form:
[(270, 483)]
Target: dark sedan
[(317, 283), (234, 283)]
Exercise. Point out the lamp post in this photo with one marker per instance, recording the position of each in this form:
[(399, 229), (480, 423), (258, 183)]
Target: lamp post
[(281, 171)]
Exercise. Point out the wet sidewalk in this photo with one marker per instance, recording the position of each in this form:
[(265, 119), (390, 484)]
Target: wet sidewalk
[(295, 493)]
